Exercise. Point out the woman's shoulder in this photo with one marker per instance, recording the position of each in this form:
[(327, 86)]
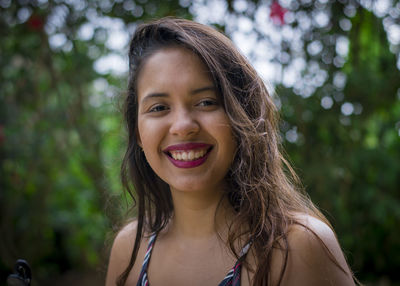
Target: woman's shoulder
[(123, 241), (127, 232), (314, 257), (121, 252), (309, 229)]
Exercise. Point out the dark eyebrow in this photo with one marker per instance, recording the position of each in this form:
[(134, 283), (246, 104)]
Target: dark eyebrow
[(155, 94), (163, 94), (202, 89)]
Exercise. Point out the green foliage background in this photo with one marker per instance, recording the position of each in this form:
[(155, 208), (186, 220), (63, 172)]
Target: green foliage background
[(62, 135)]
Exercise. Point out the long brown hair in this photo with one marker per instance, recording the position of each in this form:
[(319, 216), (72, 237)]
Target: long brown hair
[(262, 185)]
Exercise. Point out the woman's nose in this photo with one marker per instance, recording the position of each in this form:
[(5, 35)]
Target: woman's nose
[(184, 124)]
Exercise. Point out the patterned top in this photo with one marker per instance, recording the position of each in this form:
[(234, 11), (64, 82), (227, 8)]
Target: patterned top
[(231, 279)]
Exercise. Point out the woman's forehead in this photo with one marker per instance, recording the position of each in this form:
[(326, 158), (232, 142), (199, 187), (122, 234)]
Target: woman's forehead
[(172, 68), (174, 57)]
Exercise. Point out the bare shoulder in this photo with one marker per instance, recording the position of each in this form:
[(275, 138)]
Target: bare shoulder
[(121, 252), (310, 232), (315, 256)]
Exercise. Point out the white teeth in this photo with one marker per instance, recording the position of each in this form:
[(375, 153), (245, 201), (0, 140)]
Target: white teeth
[(191, 155), (184, 156), (188, 155)]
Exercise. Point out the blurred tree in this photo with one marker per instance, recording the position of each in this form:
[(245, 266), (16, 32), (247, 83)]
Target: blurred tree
[(61, 137)]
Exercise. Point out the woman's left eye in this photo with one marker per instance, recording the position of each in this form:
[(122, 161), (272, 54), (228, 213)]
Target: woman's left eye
[(207, 102)]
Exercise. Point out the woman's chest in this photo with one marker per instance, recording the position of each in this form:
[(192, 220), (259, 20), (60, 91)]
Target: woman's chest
[(212, 275), (189, 265), (193, 264)]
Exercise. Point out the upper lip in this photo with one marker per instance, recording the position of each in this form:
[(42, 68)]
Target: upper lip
[(186, 146)]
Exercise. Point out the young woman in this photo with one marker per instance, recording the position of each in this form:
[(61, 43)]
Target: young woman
[(215, 205)]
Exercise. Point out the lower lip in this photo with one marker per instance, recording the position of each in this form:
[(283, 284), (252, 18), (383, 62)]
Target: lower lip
[(188, 164)]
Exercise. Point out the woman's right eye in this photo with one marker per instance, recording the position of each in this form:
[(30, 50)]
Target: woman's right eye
[(158, 108)]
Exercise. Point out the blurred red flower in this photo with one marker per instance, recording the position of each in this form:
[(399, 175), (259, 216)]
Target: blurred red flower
[(35, 22), (277, 13)]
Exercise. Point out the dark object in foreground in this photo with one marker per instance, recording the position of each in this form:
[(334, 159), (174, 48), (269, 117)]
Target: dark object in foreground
[(22, 275)]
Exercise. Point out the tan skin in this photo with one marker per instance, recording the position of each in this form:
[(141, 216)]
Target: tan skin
[(192, 250)]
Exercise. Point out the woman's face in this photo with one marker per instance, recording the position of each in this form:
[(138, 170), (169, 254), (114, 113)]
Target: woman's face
[(182, 125)]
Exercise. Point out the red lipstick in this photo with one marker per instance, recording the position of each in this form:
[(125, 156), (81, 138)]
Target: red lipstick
[(186, 147)]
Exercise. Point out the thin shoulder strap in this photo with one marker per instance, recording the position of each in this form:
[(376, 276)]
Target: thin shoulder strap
[(233, 276), (143, 273), (245, 249)]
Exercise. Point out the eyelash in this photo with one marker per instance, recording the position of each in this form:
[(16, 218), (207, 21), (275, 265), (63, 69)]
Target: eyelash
[(157, 108), (203, 103), (208, 101)]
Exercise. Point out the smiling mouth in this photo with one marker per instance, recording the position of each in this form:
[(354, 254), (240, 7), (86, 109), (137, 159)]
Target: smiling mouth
[(188, 155)]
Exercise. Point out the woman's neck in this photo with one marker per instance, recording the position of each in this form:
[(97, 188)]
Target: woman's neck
[(200, 215)]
